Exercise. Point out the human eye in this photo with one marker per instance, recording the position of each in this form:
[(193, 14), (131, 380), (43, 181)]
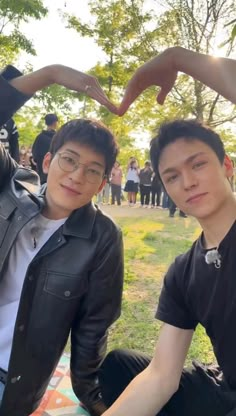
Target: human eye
[(94, 172), (199, 164), (172, 178), (68, 159)]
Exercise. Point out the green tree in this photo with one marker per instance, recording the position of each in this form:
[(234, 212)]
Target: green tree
[(200, 26), (12, 14), (57, 99), (116, 26), (129, 34)]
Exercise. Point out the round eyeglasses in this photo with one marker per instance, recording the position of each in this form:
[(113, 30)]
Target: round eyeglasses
[(69, 163)]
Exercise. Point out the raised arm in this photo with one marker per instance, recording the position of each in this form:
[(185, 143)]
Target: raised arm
[(217, 73), (151, 389), (65, 76)]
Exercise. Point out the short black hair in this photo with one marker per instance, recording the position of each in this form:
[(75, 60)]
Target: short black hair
[(50, 119), (91, 133), (189, 130)]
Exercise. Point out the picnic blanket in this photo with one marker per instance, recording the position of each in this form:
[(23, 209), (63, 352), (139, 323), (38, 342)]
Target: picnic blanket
[(59, 399)]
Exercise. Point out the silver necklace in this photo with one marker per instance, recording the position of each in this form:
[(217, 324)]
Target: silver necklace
[(213, 257)]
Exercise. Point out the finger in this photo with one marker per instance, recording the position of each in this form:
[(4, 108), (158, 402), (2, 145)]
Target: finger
[(112, 107), (128, 99), (104, 100), (98, 94), (107, 103), (135, 87), (161, 96)]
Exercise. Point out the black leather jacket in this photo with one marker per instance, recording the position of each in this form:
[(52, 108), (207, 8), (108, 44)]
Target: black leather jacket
[(73, 285)]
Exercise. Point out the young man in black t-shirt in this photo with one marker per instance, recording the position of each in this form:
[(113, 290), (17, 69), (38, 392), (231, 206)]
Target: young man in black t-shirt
[(199, 287)]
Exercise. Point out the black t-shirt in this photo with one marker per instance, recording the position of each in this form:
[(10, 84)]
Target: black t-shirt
[(196, 292)]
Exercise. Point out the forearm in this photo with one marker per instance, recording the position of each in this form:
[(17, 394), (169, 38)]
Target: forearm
[(145, 396), (51, 74), (217, 73), (62, 75), (30, 83)]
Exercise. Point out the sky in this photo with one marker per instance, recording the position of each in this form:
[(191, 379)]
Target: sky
[(56, 44)]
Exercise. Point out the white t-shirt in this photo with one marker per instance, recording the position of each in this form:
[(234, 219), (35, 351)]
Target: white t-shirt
[(29, 241), (132, 175)]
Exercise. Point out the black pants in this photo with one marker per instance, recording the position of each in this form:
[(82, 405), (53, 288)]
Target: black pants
[(115, 193), (172, 209), (156, 196), (201, 392), (145, 191)]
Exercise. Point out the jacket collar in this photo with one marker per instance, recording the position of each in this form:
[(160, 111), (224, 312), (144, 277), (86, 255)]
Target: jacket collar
[(81, 222)]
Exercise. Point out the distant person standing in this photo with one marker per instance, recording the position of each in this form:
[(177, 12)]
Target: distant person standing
[(116, 179), (145, 176), (156, 190), (9, 137), (42, 144), (132, 181)]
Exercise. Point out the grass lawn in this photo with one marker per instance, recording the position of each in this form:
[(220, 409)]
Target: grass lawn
[(152, 240)]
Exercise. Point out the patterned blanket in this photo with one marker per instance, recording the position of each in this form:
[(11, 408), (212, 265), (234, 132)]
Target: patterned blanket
[(59, 399)]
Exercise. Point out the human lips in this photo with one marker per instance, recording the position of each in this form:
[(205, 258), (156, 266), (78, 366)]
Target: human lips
[(70, 190), (196, 198)]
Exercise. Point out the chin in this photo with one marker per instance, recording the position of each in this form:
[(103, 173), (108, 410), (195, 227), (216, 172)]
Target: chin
[(202, 214)]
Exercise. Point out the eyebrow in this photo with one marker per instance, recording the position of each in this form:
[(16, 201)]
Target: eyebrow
[(188, 160), (94, 162)]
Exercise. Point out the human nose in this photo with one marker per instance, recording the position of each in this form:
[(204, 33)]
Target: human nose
[(189, 179), (79, 174)]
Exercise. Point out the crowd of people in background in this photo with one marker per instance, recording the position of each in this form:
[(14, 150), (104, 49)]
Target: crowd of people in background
[(137, 187), (26, 157)]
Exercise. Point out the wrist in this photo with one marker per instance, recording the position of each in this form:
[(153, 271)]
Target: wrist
[(52, 73), (180, 57)]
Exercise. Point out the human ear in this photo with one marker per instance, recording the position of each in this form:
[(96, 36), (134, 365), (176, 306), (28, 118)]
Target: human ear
[(228, 164), (46, 162), (102, 185)]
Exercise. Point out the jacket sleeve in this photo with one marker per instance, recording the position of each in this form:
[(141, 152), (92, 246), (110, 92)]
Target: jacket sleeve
[(7, 167), (101, 307), (14, 142), (10, 98)]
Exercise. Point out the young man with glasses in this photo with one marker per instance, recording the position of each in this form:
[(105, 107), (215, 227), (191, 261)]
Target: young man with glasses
[(61, 261)]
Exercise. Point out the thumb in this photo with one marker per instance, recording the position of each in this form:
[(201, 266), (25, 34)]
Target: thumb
[(161, 96), (133, 90), (129, 97), (123, 107)]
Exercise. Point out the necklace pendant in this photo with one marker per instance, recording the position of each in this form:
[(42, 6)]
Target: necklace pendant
[(217, 263), (213, 257)]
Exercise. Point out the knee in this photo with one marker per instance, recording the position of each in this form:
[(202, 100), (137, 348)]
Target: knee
[(114, 358)]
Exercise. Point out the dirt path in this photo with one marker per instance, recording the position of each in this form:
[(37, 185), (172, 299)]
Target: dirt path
[(125, 210)]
